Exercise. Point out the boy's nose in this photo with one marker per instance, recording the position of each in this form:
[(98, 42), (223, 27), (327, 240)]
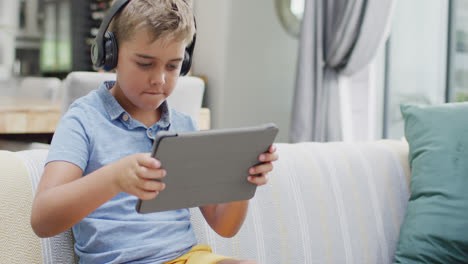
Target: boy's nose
[(158, 78)]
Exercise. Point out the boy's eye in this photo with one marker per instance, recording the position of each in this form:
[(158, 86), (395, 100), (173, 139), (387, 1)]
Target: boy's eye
[(144, 65), (172, 67)]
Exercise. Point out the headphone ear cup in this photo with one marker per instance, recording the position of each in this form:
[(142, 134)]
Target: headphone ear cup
[(95, 55), (111, 51), (186, 64)]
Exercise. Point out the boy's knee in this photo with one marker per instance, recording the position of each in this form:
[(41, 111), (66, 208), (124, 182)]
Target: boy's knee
[(249, 262), (235, 261)]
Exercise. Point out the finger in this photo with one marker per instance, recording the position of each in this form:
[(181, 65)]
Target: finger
[(151, 185), (268, 157), (151, 174), (262, 168), (144, 195), (146, 160), (272, 149), (258, 180)]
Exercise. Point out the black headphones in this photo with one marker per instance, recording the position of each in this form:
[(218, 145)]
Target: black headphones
[(104, 50)]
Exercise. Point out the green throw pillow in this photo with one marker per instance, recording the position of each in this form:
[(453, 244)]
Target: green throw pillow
[(435, 229)]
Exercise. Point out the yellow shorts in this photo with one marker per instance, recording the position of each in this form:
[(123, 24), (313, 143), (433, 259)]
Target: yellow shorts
[(199, 254)]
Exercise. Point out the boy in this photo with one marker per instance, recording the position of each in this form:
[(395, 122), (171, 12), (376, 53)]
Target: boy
[(98, 164)]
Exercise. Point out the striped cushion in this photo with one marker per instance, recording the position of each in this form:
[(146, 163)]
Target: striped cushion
[(325, 203)]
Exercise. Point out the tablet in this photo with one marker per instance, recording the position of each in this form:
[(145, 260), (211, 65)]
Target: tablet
[(207, 167)]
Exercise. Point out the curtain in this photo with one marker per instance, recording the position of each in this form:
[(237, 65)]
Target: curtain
[(338, 37)]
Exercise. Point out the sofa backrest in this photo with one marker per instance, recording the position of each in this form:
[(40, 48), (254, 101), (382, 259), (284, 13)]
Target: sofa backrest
[(324, 203), (39, 87), (187, 96)]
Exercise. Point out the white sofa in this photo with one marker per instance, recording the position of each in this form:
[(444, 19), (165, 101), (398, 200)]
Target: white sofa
[(325, 203)]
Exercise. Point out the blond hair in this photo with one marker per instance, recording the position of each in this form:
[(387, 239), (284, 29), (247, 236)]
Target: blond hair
[(171, 19)]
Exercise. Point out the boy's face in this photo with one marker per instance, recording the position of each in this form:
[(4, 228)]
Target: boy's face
[(147, 72)]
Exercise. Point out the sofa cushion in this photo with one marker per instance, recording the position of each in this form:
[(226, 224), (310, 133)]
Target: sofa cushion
[(435, 229)]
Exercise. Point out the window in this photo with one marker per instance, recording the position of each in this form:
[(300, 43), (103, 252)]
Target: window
[(417, 59), (297, 8), (457, 71)]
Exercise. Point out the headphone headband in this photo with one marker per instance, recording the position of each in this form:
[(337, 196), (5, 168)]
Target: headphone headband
[(97, 49), (104, 50)]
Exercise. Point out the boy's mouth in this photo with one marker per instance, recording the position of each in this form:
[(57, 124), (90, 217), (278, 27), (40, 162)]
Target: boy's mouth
[(154, 93)]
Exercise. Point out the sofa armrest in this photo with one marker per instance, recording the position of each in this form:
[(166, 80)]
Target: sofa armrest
[(18, 242), (20, 176)]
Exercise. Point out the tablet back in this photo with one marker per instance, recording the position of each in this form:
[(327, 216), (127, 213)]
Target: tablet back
[(207, 167)]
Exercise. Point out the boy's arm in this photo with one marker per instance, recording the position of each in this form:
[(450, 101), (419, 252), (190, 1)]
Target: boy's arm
[(64, 198), (226, 219)]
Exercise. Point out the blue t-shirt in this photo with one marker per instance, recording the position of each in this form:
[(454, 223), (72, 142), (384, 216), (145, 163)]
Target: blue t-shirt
[(97, 131)]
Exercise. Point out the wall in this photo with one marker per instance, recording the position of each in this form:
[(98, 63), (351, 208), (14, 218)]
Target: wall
[(249, 61)]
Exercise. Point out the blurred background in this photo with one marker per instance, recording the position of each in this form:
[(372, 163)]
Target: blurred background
[(248, 53)]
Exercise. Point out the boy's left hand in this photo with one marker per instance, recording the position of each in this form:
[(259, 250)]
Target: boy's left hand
[(258, 174)]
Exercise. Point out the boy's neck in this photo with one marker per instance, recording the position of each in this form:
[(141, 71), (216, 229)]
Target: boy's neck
[(148, 118)]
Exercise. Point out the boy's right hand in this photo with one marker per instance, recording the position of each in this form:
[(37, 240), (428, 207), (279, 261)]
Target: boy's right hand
[(137, 175)]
